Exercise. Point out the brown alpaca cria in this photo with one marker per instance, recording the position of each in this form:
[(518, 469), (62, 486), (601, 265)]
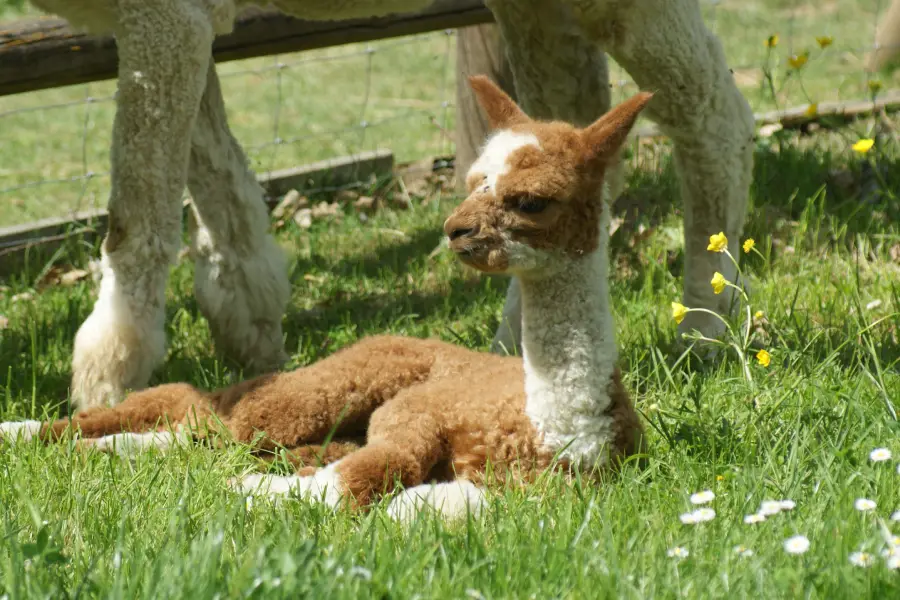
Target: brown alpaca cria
[(429, 410)]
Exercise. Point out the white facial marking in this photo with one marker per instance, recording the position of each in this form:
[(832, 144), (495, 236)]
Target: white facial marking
[(492, 162), (19, 431)]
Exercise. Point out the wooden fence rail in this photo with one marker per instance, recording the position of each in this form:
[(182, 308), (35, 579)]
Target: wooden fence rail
[(46, 53)]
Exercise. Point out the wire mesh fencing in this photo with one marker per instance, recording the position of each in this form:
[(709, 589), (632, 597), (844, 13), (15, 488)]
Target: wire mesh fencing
[(399, 94)]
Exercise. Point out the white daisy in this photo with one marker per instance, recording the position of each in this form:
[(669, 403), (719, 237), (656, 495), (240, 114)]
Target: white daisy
[(787, 504), (864, 504), (688, 518), (862, 559), (893, 562), (895, 516), (796, 545), (890, 551), (770, 507), (753, 519), (701, 515), (880, 455), (704, 497), (248, 503), (678, 552), (743, 551)]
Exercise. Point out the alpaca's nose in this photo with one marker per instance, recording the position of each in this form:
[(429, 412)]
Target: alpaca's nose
[(460, 232), (457, 230)]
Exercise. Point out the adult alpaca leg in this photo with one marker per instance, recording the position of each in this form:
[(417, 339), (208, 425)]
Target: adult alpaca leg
[(241, 279), (666, 47), (558, 74), (164, 48)]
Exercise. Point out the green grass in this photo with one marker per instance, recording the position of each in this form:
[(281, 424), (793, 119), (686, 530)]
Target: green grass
[(164, 526)]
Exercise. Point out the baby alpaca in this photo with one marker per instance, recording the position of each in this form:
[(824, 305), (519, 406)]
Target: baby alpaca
[(432, 410)]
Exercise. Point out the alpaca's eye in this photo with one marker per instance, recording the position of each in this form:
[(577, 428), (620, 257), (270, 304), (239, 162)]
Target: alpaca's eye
[(532, 206)]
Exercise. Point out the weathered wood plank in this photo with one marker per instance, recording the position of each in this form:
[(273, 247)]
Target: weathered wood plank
[(46, 52)]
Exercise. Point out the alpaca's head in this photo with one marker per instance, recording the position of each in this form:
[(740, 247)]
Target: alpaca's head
[(535, 192)]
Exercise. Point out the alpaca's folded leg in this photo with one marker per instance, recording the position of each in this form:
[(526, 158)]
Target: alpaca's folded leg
[(176, 405), (164, 49), (558, 74), (451, 500), (241, 281), (131, 444), (667, 48)]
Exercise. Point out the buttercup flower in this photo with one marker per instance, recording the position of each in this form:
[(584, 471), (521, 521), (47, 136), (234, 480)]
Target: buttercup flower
[(798, 60), (703, 497), (764, 358), (748, 245), (771, 41), (824, 41), (862, 559), (718, 282), (717, 242), (754, 519), (880, 455), (796, 545), (865, 505), (863, 145), (874, 85), (758, 315), (678, 552), (743, 551), (720, 478), (812, 110), (679, 311)]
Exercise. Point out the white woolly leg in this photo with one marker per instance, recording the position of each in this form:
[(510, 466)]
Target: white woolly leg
[(559, 74), (666, 47), (324, 486), (164, 48), (241, 281), (19, 431), (131, 444), (451, 500)]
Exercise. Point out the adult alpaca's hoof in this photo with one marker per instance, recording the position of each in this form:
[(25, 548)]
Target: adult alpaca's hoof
[(112, 355)]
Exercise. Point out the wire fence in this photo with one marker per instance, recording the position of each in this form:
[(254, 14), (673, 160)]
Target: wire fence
[(293, 109)]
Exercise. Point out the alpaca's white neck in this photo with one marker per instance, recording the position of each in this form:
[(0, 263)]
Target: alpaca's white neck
[(569, 351)]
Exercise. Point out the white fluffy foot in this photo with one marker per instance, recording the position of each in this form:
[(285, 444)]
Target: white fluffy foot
[(19, 431), (113, 352), (452, 500), (131, 444), (324, 486)]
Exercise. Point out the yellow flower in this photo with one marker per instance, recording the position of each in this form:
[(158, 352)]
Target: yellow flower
[(874, 85), (771, 41), (824, 41), (717, 242), (812, 110), (748, 245), (863, 145), (720, 478), (764, 358), (679, 311), (718, 282), (798, 60), (758, 315)]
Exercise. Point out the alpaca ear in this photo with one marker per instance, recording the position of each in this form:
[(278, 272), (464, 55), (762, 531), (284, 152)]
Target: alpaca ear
[(608, 133), (502, 111)]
